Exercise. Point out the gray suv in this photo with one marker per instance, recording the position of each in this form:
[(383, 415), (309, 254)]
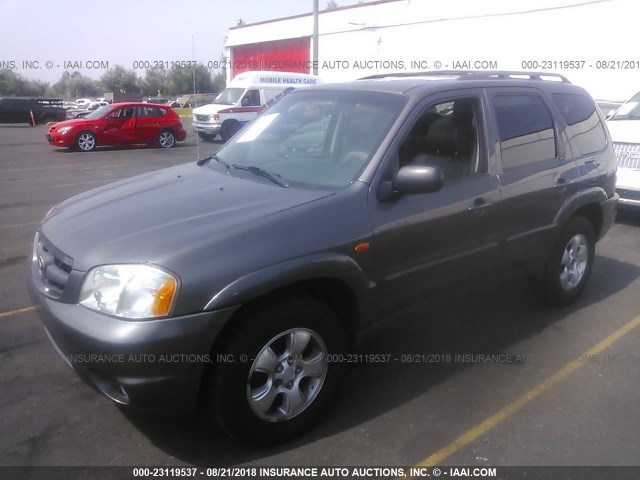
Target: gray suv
[(242, 280)]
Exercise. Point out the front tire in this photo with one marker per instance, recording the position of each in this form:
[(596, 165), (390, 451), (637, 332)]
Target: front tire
[(207, 137), (287, 378), (86, 142), (166, 139), (229, 129), (569, 265)]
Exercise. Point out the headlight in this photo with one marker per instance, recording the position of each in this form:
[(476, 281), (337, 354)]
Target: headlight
[(64, 130), (129, 291)]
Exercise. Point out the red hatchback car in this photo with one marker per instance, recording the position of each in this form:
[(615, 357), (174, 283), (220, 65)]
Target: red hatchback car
[(120, 124)]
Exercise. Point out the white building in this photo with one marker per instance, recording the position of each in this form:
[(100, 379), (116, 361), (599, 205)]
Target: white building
[(591, 42)]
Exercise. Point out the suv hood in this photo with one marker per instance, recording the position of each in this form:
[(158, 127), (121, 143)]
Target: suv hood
[(624, 131), (155, 216)]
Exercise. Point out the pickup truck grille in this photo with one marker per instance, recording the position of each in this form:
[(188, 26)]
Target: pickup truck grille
[(628, 154), (202, 118), (54, 267)]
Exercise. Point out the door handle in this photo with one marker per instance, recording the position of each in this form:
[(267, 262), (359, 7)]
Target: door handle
[(479, 204), (561, 182)]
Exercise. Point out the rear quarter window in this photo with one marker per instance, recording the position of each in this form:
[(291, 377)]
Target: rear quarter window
[(584, 127)]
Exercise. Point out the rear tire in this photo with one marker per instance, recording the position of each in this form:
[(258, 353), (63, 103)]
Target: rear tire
[(569, 265), (287, 378), (166, 139), (86, 142)]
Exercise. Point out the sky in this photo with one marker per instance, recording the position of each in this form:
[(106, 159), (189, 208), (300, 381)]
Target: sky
[(66, 32)]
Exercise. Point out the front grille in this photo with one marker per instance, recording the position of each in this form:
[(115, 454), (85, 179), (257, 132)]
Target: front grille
[(202, 118), (628, 154), (54, 267)]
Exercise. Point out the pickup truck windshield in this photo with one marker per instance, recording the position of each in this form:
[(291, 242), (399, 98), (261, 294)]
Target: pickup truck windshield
[(629, 110), (317, 139)]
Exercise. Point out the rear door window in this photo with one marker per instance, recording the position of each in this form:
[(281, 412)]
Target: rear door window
[(148, 112), (526, 129)]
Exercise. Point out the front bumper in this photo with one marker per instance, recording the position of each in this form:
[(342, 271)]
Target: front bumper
[(59, 140), (207, 128), (628, 186), (148, 364), (629, 197)]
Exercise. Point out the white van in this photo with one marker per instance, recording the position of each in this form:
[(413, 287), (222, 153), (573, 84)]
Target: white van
[(246, 96)]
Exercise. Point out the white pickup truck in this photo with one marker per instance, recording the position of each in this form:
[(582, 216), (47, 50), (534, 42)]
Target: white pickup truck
[(624, 126)]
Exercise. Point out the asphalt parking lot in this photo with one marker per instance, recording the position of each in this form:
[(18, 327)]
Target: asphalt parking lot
[(497, 379)]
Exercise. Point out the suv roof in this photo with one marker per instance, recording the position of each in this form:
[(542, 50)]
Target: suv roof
[(404, 82), (479, 75)]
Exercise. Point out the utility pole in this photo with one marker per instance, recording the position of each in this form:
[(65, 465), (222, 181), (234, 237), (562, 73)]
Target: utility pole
[(315, 37)]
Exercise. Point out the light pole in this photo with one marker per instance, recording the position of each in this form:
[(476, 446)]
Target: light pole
[(315, 37)]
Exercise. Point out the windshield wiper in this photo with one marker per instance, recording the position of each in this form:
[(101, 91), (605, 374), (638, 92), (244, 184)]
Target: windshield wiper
[(204, 161), (261, 172)]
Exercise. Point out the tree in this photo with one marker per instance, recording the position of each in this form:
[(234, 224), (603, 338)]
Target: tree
[(220, 80), (156, 81), (12, 83), (119, 79), (331, 4), (181, 80)]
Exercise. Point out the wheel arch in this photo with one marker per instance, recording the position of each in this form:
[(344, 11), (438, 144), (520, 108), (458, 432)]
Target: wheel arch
[(587, 203), (336, 280)]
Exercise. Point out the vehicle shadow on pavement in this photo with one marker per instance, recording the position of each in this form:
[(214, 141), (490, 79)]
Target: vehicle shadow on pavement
[(488, 317), (110, 149)]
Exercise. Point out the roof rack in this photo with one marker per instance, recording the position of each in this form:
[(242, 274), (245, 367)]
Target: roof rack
[(477, 75)]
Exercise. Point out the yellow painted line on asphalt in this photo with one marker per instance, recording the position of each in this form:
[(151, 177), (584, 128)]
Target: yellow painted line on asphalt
[(488, 424), (18, 311), (3, 227)]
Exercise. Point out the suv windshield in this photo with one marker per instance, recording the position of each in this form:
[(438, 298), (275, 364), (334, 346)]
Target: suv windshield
[(629, 110), (320, 139), (229, 96), (99, 113)]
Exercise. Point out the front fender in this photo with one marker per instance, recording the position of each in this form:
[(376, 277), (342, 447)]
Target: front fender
[(322, 265)]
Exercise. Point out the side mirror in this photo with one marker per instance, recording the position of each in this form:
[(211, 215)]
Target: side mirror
[(411, 180), (245, 102)]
